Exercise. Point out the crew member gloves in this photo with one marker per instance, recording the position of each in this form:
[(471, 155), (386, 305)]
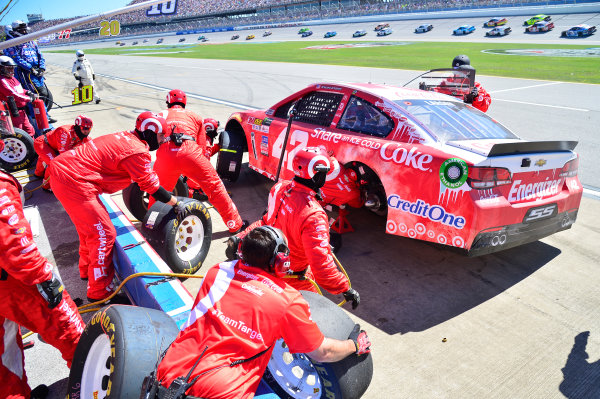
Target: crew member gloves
[(360, 339), (52, 291), (233, 243), (352, 296), (469, 98), (179, 207), (37, 72)]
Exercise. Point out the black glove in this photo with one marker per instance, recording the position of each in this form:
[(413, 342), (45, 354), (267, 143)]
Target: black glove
[(80, 85), (361, 340), (78, 78), (32, 96), (179, 208), (233, 244), (352, 296), (94, 76), (37, 72), (212, 134), (469, 98), (52, 291)]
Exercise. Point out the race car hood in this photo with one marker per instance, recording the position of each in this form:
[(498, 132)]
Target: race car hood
[(492, 148)]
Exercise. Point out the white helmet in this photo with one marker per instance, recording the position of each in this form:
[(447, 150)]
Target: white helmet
[(79, 54), (19, 28)]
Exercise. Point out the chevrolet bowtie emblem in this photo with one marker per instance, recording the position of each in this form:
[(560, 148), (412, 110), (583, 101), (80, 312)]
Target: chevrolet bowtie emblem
[(540, 162)]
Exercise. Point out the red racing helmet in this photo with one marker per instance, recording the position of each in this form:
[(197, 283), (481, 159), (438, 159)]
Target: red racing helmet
[(310, 160), (84, 122), (176, 96), (150, 121), (211, 125)]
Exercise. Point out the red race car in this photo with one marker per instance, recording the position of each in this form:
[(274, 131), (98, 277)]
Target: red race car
[(439, 169)]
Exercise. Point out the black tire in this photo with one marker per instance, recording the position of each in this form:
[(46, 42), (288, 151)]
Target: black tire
[(184, 244), (118, 348), (347, 379), (229, 160), (335, 241), (49, 100), (137, 200), (18, 151)]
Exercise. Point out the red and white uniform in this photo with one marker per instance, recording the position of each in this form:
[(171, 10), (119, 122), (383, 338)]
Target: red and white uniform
[(189, 160), (294, 210), (483, 100), (12, 87), (53, 143), (239, 312), (22, 268), (104, 165)]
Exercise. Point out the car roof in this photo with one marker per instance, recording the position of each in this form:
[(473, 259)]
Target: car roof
[(389, 92)]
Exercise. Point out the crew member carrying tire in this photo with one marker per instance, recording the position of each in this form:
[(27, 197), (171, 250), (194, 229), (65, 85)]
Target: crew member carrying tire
[(183, 154), (10, 87), (105, 165), (293, 207), (32, 296), (241, 309), (55, 142)]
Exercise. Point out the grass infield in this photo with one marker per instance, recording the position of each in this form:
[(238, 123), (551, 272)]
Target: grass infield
[(419, 56)]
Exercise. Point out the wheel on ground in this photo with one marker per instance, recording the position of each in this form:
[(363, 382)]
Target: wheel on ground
[(183, 244), (229, 159), (137, 200), (297, 376), (49, 99), (18, 151), (118, 348)]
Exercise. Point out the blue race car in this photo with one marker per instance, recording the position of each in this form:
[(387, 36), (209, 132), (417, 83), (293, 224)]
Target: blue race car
[(359, 33), (464, 30), (307, 33), (331, 33), (579, 31)]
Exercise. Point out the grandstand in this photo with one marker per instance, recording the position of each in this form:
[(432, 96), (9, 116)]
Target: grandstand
[(209, 14)]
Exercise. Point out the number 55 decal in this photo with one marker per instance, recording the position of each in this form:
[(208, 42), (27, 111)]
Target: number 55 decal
[(540, 213)]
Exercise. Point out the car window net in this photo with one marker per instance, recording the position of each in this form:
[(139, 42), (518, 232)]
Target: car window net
[(451, 120), (360, 116), (318, 108)]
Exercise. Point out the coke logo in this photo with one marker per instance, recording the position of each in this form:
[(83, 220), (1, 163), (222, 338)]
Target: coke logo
[(403, 156)]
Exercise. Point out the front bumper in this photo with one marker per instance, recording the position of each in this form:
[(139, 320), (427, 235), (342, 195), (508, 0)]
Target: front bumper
[(501, 238)]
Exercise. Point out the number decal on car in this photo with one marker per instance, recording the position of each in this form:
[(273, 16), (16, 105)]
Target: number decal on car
[(540, 213)]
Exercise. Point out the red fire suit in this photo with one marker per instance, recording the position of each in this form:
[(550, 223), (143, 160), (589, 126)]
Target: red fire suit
[(53, 143), (12, 87), (239, 312), (483, 100), (189, 160), (22, 267), (294, 210), (104, 165)]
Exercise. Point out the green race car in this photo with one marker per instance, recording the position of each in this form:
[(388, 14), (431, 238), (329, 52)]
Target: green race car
[(302, 30), (537, 18)]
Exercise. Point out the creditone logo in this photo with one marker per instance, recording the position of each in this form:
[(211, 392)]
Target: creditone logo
[(454, 172), (522, 192), (435, 213), (403, 156)]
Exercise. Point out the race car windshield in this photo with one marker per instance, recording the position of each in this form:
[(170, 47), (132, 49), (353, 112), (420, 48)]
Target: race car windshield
[(451, 120)]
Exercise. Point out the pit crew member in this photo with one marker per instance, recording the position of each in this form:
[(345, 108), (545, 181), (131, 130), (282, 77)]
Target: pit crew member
[(479, 97), (32, 296), (106, 164), (183, 154), (84, 73), (241, 309), (10, 87), (30, 62), (293, 207), (55, 142)]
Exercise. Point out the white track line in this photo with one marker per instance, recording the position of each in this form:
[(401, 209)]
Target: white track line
[(526, 87), (542, 105)]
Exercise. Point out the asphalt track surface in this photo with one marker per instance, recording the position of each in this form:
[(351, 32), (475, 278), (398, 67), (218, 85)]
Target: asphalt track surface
[(522, 323)]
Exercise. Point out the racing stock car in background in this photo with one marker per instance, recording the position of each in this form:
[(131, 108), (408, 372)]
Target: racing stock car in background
[(579, 31), (540, 27), (440, 170), (463, 30), (495, 22), (536, 18), (499, 31)]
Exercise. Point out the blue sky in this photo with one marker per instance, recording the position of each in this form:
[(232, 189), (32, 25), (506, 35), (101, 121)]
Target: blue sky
[(52, 9)]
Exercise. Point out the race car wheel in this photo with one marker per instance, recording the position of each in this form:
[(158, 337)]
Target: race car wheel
[(137, 200), (297, 376), (181, 241), (118, 348), (229, 160), (18, 151)]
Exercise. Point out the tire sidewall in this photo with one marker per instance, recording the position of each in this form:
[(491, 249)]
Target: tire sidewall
[(31, 157)]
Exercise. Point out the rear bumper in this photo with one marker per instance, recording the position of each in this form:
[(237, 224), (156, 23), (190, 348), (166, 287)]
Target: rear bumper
[(504, 237)]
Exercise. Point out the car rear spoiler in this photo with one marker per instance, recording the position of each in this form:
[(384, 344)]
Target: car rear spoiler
[(531, 147)]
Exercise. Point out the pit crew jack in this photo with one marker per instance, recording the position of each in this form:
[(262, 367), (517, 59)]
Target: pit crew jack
[(22, 267), (253, 309), (188, 159), (294, 209), (106, 164)]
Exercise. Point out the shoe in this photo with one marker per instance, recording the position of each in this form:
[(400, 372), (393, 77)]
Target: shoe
[(40, 392), (98, 101), (83, 278), (245, 225), (47, 189), (52, 120)]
